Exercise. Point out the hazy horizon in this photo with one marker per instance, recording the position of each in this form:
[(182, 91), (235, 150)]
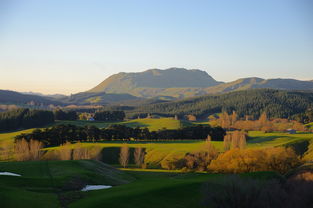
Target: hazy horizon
[(71, 46)]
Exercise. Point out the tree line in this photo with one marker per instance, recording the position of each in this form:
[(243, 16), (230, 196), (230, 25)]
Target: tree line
[(277, 104), (98, 115), (60, 134), (263, 123), (24, 118)]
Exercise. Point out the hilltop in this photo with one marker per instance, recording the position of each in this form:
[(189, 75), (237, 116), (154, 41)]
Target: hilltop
[(179, 83), (257, 83), (156, 82)]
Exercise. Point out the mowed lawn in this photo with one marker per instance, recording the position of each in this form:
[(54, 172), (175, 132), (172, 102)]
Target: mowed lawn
[(49, 183), (58, 184)]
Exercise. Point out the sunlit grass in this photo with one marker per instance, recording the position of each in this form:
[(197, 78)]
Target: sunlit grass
[(150, 123)]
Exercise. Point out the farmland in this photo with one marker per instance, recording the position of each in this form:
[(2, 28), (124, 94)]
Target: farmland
[(156, 151), (58, 183)]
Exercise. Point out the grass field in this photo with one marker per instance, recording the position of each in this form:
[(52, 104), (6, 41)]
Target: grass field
[(158, 151), (50, 183), (57, 183), (310, 125), (151, 124)]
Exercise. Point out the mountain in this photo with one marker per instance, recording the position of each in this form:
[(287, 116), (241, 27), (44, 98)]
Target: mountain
[(256, 83), (180, 83), (173, 82), (253, 102), (12, 97)]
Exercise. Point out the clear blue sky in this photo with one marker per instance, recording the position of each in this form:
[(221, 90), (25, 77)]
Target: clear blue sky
[(67, 46)]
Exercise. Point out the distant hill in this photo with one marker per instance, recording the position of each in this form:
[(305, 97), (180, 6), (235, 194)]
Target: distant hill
[(99, 98), (277, 103), (173, 82), (179, 83), (12, 97), (55, 96), (255, 83)]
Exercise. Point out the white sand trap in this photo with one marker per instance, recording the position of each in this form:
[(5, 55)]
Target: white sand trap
[(9, 174), (95, 187)]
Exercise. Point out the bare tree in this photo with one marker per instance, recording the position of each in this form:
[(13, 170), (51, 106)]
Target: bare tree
[(65, 152), (28, 150), (235, 138), (233, 118), (225, 120), (81, 153), (6, 150), (124, 155), (243, 140), (35, 147), (208, 139), (139, 156), (227, 142)]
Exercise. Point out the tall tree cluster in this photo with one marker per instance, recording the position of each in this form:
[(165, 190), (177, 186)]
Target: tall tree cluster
[(109, 115), (24, 118), (65, 115), (60, 134)]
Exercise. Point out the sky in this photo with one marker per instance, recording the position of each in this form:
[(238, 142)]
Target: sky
[(69, 46)]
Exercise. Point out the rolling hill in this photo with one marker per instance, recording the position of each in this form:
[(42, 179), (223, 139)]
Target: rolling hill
[(277, 103), (154, 86), (12, 97), (103, 98), (256, 83), (179, 83)]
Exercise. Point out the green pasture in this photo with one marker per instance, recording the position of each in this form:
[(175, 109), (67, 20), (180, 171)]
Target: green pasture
[(310, 125), (150, 123), (58, 183), (51, 183)]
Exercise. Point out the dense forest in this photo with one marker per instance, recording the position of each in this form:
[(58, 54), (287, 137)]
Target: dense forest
[(24, 118), (65, 115), (276, 103), (60, 134), (109, 115)]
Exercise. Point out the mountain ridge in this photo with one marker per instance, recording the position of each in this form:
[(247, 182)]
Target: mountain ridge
[(155, 79), (181, 83)]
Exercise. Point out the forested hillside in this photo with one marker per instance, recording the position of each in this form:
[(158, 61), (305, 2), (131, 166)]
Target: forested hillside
[(12, 97), (24, 118), (276, 103)]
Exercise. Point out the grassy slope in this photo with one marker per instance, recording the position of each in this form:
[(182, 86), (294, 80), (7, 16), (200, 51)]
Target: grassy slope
[(158, 151), (310, 125), (152, 124), (48, 183), (43, 182), (260, 139), (158, 189)]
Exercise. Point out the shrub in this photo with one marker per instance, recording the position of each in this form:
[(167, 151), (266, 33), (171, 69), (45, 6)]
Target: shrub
[(237, 192), (278, 159), (173, 162)]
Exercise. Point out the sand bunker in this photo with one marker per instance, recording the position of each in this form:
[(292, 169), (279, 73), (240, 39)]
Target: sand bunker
[(9, 174), (95, 187)]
